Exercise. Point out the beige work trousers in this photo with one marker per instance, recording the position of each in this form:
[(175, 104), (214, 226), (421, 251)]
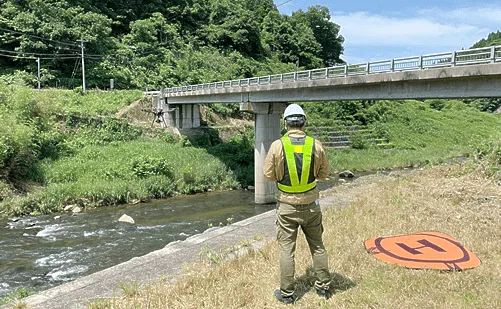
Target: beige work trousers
[(309, 218)]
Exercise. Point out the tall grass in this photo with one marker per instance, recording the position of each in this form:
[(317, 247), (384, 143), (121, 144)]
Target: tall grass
[(16, 295), (94, 102), (121, 172), (31, 130)]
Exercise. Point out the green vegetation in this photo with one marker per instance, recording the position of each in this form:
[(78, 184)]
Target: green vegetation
[(130, 289), (16, 295), (59, 149), (121, 172), (64, 151), (417, 133), (143, 44), (493, 39)]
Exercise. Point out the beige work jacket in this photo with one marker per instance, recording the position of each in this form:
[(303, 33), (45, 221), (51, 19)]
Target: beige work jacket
[(274, 170)]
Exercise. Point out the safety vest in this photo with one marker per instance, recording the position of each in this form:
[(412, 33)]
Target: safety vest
[(299, 159)]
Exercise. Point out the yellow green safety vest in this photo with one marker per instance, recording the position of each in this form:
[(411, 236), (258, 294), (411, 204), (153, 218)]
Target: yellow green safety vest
[(299, 157)]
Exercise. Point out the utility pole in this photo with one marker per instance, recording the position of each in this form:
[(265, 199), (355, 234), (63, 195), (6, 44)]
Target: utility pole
[(38, 61), (83, 64)]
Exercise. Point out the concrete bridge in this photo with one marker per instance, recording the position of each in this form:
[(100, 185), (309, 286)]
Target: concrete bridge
[(461, 74)]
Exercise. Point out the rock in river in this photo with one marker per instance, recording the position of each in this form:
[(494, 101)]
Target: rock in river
[(126, 218)]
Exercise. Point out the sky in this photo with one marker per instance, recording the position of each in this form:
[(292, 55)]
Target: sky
[(380, 30)]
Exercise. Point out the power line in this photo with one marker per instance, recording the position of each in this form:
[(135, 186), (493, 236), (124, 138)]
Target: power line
[(44, 58), (17, 57), (284, 3), (38, 37), (75, 68), (34, 54)]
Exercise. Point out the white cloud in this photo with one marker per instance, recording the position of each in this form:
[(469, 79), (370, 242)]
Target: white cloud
[(366, 29), (488, 16)]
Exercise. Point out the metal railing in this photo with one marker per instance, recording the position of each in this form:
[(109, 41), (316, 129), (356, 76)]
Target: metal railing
[(450, 59)]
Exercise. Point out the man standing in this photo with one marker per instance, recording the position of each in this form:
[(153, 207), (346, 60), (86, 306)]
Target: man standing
[(295, 162)]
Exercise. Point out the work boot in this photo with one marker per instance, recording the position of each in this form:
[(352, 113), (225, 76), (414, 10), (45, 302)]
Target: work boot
[(324, 293), (284, 299)]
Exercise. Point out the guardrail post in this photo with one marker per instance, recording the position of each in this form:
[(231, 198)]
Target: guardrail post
[(269, 79), (367, 68), (309, 74), (420, 62), (392, 65), (345, 70), (326, 72), (281, 78), (493, 53), (295, 76), (453, 59)]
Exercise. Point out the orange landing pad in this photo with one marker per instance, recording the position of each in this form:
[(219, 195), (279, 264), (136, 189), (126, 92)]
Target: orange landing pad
[(431, 250)]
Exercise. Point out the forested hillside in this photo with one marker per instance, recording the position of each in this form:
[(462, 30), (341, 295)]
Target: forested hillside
[(493, 39), (153, 44)]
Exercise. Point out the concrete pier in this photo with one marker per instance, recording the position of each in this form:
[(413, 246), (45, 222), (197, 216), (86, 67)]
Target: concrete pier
[(266, 130)]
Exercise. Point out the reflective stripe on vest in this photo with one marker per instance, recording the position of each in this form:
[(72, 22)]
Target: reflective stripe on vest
[(297, 186)]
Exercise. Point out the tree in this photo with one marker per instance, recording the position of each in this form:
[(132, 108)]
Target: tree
[(260, 8), (231, 27), (142, 43), (52, 27), (325, 32), (292, 41)]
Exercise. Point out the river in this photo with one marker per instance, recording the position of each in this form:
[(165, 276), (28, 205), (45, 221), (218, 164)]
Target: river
[(40, 252)]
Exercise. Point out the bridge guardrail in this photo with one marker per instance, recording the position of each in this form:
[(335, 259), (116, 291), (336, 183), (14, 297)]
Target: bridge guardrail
[(448, 59)]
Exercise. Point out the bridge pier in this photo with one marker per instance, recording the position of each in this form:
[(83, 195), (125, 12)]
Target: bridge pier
[(266, 130)]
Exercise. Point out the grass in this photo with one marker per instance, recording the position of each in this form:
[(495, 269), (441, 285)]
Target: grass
[(459, 200), (421, 135), (383, 159), (16, 295)]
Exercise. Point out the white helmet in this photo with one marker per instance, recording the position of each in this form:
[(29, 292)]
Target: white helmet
[(293, 109)]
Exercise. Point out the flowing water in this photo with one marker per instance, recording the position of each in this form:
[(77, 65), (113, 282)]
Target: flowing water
[(40, 252)]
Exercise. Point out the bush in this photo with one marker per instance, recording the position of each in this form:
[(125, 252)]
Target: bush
[(144, 167), (21, 78), (436, 104)]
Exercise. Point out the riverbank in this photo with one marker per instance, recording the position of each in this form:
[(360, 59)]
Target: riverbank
[(458, 200), (237, 266)]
